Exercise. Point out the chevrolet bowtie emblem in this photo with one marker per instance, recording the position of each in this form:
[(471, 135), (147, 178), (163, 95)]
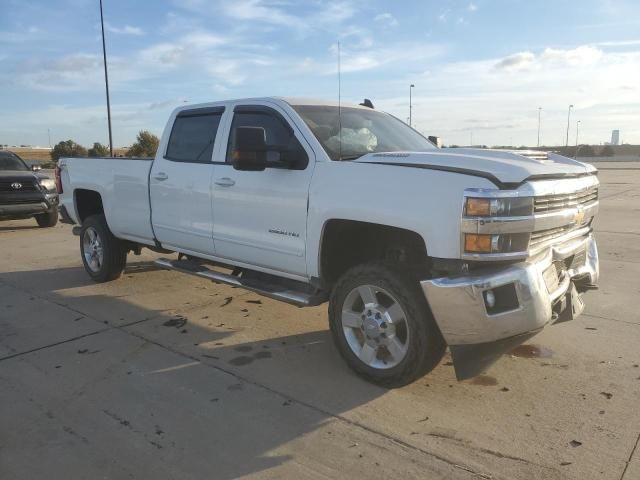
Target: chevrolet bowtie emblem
[(579, 218)]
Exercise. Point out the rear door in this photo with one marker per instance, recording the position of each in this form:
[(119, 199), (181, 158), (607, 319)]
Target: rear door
[(180, 182), (260, 218)]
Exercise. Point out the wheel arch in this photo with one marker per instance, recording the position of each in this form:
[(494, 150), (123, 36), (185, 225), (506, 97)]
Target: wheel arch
[(87, 202), (345, 243)]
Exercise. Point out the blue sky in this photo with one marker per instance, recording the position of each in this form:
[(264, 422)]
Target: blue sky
[(481, 68)]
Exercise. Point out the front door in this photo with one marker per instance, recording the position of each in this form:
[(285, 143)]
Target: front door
[(260, 217), (180, 183)]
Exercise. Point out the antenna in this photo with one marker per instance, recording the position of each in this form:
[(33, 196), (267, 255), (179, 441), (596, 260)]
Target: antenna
[(339, 104)]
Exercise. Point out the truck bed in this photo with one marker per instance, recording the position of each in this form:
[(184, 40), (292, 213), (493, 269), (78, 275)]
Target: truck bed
[(123, 184)]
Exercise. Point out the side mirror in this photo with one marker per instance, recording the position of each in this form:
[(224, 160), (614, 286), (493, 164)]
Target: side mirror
[(250, 149), (437, 141), (36, 168)]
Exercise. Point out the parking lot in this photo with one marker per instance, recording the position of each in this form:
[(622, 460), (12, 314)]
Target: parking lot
[(160, 375)]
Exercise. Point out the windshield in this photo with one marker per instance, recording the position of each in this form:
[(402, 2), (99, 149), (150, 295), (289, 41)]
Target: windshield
[(363, 131), (10, 161)]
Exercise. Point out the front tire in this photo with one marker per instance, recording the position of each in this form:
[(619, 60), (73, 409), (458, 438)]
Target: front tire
[(103, 255), (48, 219), (382, 325)]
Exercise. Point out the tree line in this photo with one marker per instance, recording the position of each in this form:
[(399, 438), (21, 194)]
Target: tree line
[(145, 145)]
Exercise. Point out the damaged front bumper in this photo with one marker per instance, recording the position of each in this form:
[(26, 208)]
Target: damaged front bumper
[(484, 315)]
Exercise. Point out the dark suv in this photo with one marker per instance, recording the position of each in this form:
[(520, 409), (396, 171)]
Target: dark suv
[(25, 193)]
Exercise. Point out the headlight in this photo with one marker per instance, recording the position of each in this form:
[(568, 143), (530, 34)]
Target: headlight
[(500, 243), (498, 207), (48, 184)]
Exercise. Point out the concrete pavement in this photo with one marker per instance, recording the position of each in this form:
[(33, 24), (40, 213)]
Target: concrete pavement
[(160, 375)]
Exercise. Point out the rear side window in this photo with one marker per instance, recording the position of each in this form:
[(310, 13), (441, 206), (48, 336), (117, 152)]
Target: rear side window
[(193, 135)]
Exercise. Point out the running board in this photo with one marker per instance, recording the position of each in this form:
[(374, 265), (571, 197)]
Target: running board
[(275, 291)]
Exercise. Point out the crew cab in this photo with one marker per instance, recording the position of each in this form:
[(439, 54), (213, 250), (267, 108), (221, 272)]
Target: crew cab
[(26, 193), (414, 247)]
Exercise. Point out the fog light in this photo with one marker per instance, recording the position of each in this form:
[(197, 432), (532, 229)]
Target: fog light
[(501, 299), (490, 298)]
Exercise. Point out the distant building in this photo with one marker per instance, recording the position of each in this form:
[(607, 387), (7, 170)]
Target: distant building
[(615, 137)]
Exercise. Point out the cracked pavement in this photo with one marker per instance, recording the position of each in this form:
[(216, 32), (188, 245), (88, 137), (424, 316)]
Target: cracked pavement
[(160, 375)]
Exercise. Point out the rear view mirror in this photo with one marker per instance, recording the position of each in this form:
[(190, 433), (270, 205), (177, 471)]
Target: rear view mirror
[(250, 149)]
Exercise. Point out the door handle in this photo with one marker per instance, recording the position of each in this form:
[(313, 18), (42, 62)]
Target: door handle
[(225, 182), (161, 176)]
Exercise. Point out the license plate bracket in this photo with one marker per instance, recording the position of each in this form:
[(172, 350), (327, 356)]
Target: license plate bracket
[(572, 304)]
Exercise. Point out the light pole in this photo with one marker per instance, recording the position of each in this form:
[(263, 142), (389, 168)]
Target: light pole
[(568, 119), (539, 111), (106, 80), (577, 132), (410, 105)]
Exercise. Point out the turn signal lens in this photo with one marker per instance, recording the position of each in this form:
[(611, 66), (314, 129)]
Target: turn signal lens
[(477, 207), (477, 243)]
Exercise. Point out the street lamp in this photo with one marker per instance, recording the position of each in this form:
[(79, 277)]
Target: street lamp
[(106, 80), (539, 111), (568, 118), (410, 105), (577, 132)]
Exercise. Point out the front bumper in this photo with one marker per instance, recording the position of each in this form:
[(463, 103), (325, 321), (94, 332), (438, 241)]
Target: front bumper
[(469, 325), (16, 209)]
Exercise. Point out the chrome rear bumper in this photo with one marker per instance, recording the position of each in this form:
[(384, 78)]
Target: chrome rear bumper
[(460, 306)]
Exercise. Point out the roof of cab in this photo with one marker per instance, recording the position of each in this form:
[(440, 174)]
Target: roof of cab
[(293, 101), (320, 102)]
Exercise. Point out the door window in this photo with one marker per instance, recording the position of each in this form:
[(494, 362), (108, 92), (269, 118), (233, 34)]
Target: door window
[(193, 135), (278, 134)]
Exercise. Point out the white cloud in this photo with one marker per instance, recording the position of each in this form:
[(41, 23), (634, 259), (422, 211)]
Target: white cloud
[(623, 43), (472, 7), (334, 12), (550, 57), (70, 72), (359, 60), (356, 38), (263, 11), (386, 19), (516, 61), (125, 30)]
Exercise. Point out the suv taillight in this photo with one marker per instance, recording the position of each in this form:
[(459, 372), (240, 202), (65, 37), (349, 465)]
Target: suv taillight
[(58, 179)]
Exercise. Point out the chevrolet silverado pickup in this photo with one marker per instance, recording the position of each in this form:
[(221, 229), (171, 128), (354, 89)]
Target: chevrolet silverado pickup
[(414, 247), (25, 193)]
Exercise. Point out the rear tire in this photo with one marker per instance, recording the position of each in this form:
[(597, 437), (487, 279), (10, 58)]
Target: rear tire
[(48, 219), (390, 339), (103, 255)]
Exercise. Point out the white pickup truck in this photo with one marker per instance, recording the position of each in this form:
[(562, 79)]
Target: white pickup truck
[(415, 248)]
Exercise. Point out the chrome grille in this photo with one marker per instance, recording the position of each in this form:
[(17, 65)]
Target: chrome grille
[(552, 203), (542, 237)]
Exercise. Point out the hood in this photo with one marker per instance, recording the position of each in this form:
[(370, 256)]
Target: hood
[(502, 167), (22, 174)]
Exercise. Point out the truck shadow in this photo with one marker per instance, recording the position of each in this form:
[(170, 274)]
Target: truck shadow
[(14, 228), (238, 407)]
